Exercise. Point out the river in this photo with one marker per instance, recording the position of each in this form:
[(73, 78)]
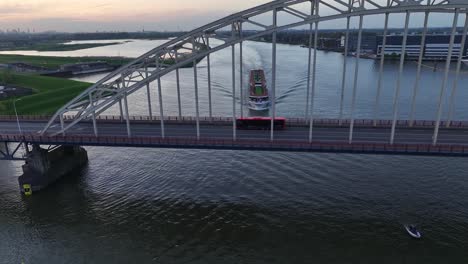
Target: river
[(200, 206)]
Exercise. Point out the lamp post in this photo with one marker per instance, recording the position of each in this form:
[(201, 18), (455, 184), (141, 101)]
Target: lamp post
[(16, 114)]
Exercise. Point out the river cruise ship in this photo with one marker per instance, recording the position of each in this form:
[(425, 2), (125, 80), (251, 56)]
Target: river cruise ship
[(259, 100)]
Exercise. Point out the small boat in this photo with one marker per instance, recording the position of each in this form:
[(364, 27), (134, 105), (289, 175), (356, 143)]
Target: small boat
[(412, 231)]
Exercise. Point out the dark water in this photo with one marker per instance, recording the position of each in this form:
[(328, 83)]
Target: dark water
[(176, 206), (190, 206)]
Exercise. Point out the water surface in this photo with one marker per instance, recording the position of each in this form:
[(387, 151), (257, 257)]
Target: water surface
[(200, 206)]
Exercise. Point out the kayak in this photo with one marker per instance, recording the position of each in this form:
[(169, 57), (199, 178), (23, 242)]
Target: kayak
[(412, 231)]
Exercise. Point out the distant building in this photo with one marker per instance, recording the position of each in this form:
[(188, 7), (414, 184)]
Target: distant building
[(368, 42), (436, 47), (329, 43)]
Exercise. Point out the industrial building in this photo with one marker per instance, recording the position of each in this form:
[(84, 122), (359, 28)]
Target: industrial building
[(436, 47)]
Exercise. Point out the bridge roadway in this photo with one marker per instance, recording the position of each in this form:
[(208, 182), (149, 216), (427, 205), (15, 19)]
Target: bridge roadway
[(219, 135), (299, 134)]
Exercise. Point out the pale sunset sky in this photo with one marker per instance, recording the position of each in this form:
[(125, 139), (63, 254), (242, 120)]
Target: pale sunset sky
[(135, 15), (92, 15)]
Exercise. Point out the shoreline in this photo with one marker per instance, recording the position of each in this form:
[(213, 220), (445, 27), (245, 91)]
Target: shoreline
[(54, 62), (59, 46)]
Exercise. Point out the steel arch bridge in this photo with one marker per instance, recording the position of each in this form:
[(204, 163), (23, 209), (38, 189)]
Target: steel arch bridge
[(195, 45)]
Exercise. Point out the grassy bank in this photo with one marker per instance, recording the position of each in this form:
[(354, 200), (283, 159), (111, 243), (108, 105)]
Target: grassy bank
[(50, 94), (55, 46), (55, 62)]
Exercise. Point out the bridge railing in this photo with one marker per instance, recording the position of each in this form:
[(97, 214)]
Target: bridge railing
[(248, 144), (228, 121)]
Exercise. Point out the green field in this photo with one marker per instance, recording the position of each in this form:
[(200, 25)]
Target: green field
[(50, 94), (55, 62)]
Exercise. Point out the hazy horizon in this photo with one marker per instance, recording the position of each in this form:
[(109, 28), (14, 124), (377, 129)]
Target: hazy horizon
[(157, 15)]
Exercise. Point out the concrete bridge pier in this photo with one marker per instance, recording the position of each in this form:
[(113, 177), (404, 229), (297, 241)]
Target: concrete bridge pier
[(43, 167)]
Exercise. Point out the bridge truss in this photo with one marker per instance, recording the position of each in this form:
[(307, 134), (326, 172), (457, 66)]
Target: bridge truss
[(13, 150), (195, 45)]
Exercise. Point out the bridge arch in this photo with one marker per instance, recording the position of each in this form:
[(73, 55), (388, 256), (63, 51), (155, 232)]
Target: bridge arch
[(195, 45)]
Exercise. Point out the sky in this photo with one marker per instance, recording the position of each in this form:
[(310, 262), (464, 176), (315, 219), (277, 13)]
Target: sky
[(110, 15), (136, 15)]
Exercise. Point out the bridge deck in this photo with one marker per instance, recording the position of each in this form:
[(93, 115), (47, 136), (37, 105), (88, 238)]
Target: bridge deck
[(219, 136)]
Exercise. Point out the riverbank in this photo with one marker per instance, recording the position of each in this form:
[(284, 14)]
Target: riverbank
[(50, 94), (53, 63), (57, 46), (24, 40)]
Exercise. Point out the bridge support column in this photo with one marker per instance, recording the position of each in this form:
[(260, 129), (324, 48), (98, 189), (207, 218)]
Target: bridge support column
[(446, 75), (179, 103), (314, 81), (273, 77), (400, 73), (356, 76), (91, 102), (44, 167), (309, 63), (234, 114), (345, 65), (208, 62), (121, 110), (381, 68), (241, 74), (418, 73), (148, 95), (127, 116), (197, 103), (161, 108)]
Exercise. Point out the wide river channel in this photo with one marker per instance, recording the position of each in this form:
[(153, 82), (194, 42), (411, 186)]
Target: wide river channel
[(189, 206)]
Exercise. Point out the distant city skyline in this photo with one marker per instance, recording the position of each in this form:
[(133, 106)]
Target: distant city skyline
[(136, 15)]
